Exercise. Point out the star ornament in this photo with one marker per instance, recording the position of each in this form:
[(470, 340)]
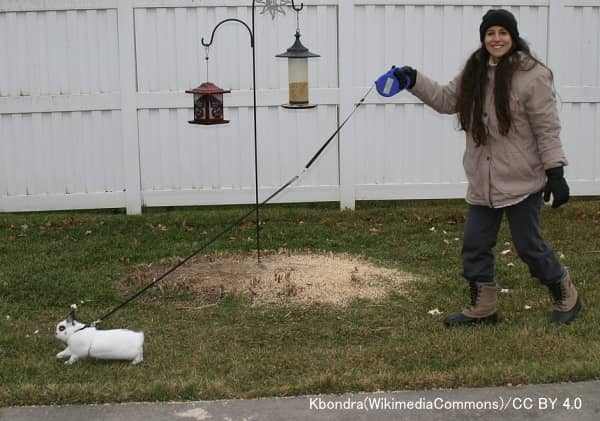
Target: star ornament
[(273, 6)]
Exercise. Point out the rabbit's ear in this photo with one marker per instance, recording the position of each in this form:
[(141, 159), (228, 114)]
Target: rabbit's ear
[(71, 317)]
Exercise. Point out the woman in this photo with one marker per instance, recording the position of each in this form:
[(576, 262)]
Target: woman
[(505, 103)]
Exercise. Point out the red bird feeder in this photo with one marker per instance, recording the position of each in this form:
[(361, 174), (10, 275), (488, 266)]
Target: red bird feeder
[(208, 104)]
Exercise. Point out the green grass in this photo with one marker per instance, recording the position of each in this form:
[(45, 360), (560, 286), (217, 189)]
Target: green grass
[(234, 350)]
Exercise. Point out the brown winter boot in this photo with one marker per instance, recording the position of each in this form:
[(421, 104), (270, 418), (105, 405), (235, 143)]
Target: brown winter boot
[(484, 299), (566, 301)]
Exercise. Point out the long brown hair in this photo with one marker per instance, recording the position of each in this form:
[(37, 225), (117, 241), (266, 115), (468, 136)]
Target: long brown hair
[(473, 85)]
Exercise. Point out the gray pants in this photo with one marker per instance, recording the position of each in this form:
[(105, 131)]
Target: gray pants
[(481, 234)]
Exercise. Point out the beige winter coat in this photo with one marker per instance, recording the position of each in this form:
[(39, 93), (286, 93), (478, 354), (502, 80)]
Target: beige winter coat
[(506, 168)]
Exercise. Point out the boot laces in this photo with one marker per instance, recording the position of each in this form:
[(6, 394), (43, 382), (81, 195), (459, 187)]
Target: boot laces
[(557, 293), (474, 293)]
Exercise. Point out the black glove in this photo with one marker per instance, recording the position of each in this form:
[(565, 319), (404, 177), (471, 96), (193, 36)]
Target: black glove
[(557, 185), (407, 76)]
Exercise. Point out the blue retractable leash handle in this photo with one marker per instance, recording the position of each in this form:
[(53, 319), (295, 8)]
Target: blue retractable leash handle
[(388, 85)]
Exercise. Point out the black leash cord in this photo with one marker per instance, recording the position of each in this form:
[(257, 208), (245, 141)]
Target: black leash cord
[(238, 221)]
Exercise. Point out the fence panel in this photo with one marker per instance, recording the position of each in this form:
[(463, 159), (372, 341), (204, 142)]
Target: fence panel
[(60, 127), (579, 54), (194, 165), (412, 151)]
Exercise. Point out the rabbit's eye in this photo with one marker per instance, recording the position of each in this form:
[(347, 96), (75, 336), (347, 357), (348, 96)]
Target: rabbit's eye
[(61, 328)]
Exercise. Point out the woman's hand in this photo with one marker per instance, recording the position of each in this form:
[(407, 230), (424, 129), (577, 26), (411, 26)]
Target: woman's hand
[(406, 75), (557, 186)]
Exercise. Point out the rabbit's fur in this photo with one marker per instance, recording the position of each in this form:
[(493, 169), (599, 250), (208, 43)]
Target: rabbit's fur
[(86, 341)]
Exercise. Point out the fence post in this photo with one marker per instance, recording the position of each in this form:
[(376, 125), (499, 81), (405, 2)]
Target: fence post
[(347, 138), (129, 119), (555, 26)]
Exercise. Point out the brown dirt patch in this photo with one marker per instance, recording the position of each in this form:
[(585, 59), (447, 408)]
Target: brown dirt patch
[(281, 278)]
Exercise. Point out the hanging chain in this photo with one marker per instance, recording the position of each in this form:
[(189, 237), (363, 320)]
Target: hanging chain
[(206, 58)]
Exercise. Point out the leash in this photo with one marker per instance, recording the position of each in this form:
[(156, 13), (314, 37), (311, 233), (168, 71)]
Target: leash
[(239, 220)]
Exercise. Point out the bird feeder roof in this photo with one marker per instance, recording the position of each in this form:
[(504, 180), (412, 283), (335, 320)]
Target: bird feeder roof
[(297, 50), (207, 88)]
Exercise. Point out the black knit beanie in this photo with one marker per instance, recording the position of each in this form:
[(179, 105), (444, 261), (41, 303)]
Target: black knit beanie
[(499, 17)]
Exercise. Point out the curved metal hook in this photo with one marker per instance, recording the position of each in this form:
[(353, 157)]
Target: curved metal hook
[(297, 9), (212, 36)]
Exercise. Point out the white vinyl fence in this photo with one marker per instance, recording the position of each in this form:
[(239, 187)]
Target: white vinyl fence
[(93, 112)]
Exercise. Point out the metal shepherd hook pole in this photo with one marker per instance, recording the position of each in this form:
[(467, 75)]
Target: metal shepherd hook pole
[(252, 42)]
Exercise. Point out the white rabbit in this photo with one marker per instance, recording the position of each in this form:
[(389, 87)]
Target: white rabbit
[(86, 341)]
